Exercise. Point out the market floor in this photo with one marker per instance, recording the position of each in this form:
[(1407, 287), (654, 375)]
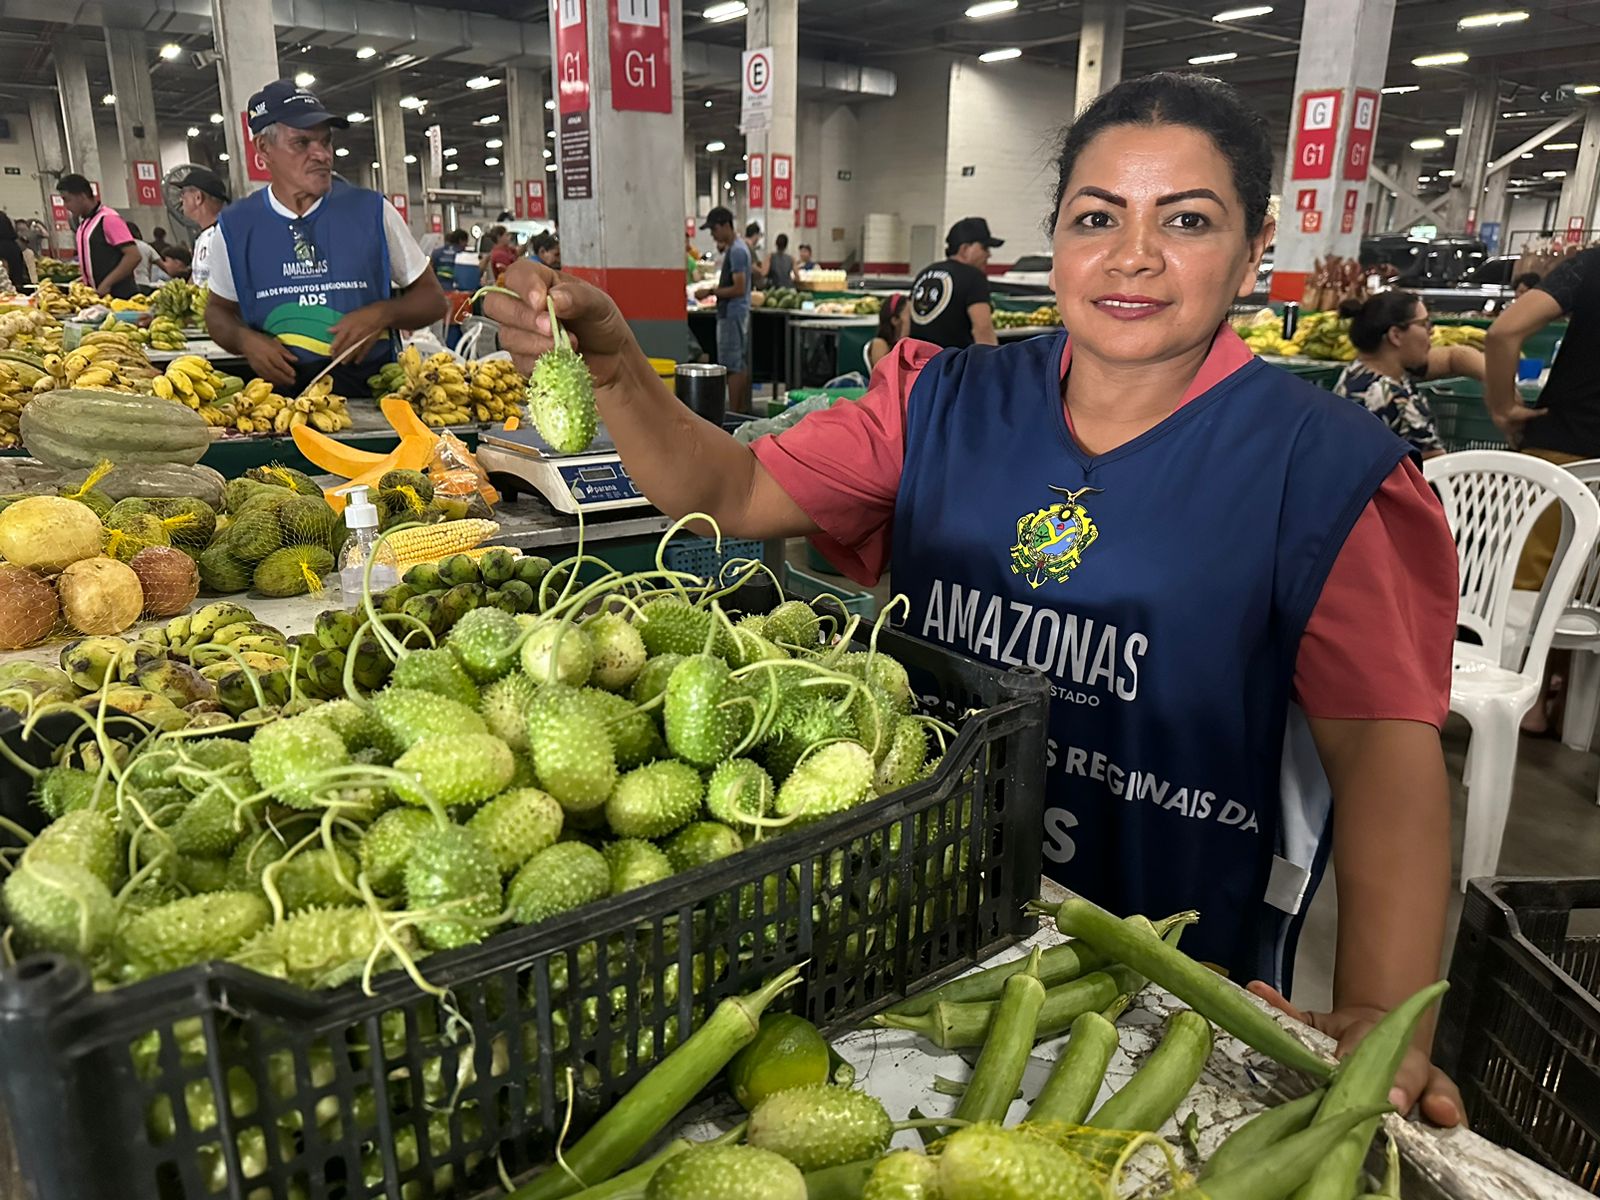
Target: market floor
[(1553, 831)]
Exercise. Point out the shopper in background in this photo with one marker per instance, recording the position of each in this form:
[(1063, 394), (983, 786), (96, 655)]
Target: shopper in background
[(752, 239), (203, 195), (950, 299), (444, 258), (780, 266), (691, 258), (312, 271), (176, 262), (14, 256), (504, 253), (148, 274), (733, 306), (1240, 585), (107, 255), (1392, 334), (546, 247), (158, 239), (894, 323), (803, 261)]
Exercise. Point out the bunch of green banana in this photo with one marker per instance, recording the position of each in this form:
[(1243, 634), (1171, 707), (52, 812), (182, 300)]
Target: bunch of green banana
[(165, 333), (325, 651)]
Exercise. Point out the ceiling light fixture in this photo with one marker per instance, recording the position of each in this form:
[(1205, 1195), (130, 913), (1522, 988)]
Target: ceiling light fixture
[(452, 166), (479, 82), (1586, 89), (549, 166), (547, 154), (357, 118), (411, 102), (1445, 58), (489, 119), (993, 56), (342, 152), (449, 152), (1243, 14), (708, 104), (215, 118), (304, 80), (377, 167), (493, 144), (1424, 178), (411, 160), (716, 147), (1402, 90), (491, 161), (1446, 174), (366, 52), (223, 157), (1555, 174), (549, 106), (991, 8), (1427, 144), (729, 10), (192, 131), (108, 98), (1491, 20), (1203, 60), (1453, 131), (741, 177), (171, 51), (1561, 145)]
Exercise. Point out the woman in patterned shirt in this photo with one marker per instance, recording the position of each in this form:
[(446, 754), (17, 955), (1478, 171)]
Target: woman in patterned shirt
[(1391, 332)]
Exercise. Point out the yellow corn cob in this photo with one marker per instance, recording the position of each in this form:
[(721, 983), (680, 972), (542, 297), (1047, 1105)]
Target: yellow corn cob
[(429, 543)]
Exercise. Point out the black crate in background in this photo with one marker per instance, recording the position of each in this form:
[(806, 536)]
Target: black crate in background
[(1520, 1030), (216, 1081)]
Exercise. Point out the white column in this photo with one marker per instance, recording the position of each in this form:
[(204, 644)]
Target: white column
[(1473, 149), (1578, 188), (776, 23), (525, 142), (1099, 50), (1494, 208), (389, 135), (77, 107), (44, 116), (1344, 45), (247, 44), (128, 56)]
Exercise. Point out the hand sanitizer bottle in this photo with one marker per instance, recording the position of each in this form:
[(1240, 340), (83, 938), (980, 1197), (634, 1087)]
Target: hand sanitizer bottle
[(361, 517)]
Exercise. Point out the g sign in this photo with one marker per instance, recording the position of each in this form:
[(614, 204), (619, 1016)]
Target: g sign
[(254, 165)]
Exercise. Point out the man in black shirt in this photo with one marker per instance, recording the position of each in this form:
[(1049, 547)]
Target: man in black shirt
[(950, 299)]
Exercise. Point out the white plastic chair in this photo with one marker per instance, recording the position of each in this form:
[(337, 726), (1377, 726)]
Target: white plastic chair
[(1492, 499)]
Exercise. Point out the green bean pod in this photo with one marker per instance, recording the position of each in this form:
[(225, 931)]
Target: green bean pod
[(1365, 1078), (656, 1100), (1197, 986), (1075, 1080), (1261, 1131), (1279, 1170), (1147, 1100), (1006, 1048)]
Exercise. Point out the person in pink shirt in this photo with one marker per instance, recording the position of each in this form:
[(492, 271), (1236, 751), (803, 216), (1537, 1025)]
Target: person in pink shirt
[(1240, 586), (108, 256)]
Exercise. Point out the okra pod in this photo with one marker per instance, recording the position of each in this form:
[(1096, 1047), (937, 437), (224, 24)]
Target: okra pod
[(1364, 1079), (1261, 1131), (1197, 986), (952, 1025), (1147, 1100), (1278, 1170), (1075, 1080), (1005, 1051)]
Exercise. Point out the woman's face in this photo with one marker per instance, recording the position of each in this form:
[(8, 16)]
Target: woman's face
[(1150, 244), (902, 320), (1414, 339)]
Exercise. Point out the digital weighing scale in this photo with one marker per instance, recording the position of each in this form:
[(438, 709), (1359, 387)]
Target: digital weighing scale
[(519, 461)]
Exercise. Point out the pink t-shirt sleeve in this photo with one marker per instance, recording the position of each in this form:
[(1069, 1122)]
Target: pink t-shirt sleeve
[(842, 465), (115, 230), (1377, 646)]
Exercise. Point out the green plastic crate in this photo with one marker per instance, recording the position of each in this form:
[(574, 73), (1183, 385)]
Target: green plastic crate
[(808, 587), (1463, 422)]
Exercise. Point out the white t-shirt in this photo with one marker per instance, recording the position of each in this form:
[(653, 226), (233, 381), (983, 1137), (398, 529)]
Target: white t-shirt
[(148, 273), (407, 262), (200, 267)]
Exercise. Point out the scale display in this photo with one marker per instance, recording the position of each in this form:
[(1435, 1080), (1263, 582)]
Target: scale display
[(594, 481)]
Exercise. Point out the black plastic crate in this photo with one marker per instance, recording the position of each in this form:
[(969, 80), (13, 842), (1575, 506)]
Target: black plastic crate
[(1520, 1030), (218, 1081)]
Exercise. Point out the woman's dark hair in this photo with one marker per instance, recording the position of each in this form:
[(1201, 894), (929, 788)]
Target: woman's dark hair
[(8, 231), (782, 242), (886, 315), (1197, 102), (1372, 318)]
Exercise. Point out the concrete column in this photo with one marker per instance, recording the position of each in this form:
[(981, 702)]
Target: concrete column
[(1578, 188), (1494, 209), (1099, 50), (691, 172), (624, 231), (128, 55), (243, 34), (389, 133), (430, 182), (44, 116), (776, 23), (1344, 45), (1406, 175), (525, 142), (1478, 115), (77, 107)]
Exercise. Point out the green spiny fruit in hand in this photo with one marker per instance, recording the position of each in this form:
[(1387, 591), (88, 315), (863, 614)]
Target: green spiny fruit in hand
[(450, 866), (738, 790), (619, 652), (454, 770), (438, 671), (387, 845), (405, 716), (505, 706), (700, 843), (726, 1173), (655, 800), (486, 640), (561, 395), (572, 752), (517, 824), (563, 877), (834, 779), (699, 728), (635, 863), (821, 1125)]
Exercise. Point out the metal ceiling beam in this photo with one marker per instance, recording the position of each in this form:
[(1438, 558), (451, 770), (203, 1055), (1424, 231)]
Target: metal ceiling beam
[(1533, 143), (1405, 202)]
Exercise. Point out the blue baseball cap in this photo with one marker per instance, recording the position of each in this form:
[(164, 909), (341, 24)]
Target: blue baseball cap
[(282, 103)]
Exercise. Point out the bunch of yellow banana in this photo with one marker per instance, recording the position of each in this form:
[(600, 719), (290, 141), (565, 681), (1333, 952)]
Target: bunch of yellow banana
[(106, 360), (258, 409), (436, 387), (139, 302), (50, 299), (497, 389), (18, 385), (81, 296), (166, 334), (193, 381)]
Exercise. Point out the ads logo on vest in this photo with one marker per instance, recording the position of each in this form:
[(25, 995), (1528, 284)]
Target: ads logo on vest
[(931, 296), (1051, 541)]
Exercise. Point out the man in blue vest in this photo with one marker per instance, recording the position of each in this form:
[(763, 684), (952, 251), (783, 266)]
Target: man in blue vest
[(312, 269)]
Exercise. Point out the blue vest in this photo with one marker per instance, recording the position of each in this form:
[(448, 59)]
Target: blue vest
[(296, 279), (1163, 587)]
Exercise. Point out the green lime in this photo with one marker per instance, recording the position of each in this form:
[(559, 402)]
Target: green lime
[(788, 1052)]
